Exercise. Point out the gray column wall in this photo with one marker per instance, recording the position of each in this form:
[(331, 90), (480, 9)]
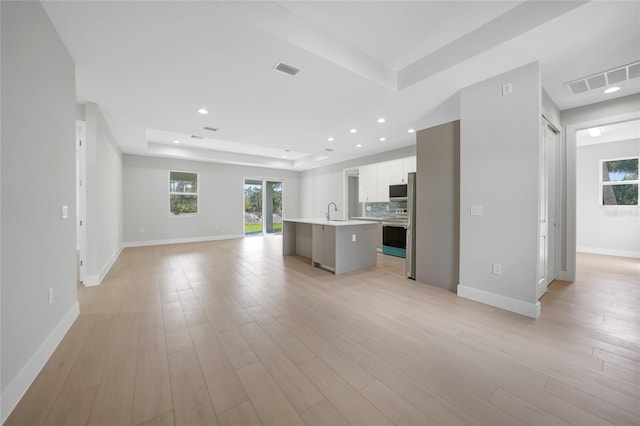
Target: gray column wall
[(438, 205)]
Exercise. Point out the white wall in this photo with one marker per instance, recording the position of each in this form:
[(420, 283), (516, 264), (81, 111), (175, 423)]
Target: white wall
[(499, 142), (604, 229), (104, 196), (221, 196), (321, 186), (38, 177)]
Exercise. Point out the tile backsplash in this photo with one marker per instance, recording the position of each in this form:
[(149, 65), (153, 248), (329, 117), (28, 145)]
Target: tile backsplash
[(384, 210)]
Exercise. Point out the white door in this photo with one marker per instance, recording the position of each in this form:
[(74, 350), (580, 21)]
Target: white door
[(80, 198), (547, 206), (552, 145)]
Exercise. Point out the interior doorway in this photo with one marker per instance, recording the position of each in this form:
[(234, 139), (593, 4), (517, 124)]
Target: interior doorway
[(262, 206), (352, 180)]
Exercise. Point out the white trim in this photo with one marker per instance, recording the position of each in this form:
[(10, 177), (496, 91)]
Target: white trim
[(180, 240), (514, 305), (609, 252), (94, 280), (28, 373)]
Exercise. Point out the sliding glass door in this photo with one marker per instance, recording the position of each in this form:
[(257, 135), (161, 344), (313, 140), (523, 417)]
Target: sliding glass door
[(262, 207)]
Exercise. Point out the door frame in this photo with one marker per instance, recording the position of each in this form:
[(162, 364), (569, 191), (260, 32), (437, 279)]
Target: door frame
[(568, 233)]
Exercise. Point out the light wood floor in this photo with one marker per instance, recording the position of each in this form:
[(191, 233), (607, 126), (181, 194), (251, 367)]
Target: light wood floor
[(230, 332)]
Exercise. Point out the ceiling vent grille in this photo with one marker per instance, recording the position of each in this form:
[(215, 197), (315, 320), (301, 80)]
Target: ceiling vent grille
[(603, 79), (287, 69), (197, 137), (211, 129)]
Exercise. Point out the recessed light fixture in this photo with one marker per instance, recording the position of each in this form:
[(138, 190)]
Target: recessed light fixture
[(330, 139), (613, 89), (359, 145), (203, 111), (383, 139), (411, 131), (381, 120), (594, 132), (176, 141), (353, 131)]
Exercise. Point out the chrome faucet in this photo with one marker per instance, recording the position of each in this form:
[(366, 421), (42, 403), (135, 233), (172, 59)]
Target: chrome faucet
[(335, 208)]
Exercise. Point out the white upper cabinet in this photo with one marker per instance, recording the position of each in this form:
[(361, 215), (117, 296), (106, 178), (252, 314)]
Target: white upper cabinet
[(382, 182), (374, 179), (399, 169)]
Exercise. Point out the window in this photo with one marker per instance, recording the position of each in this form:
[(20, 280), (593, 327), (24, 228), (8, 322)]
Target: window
[(183, 193), (619, 182)]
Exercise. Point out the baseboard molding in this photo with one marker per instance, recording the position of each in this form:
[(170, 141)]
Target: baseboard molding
[(609, 252), (514, 305), (16, 389), (94, 280), (181, 240)]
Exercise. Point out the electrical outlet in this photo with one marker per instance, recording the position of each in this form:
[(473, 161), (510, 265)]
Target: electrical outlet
[(64, 212), (507, 89), (353, 238), (50, 292), (476, 210), (497, 269)]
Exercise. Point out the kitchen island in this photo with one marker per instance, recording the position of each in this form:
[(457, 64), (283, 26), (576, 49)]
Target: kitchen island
[(338, 245)]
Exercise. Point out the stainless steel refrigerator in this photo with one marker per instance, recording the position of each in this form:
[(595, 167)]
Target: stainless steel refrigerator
[(411, 226)]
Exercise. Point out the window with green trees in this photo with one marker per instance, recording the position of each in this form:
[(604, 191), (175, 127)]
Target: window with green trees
[(619, 182), (183, 193)]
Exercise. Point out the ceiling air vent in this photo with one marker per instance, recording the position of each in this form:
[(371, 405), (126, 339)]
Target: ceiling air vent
[(287, 69), (211, 129), (197, 137), (605, 78)]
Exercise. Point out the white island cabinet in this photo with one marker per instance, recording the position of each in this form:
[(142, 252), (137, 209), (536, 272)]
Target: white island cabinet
[(338, 246)]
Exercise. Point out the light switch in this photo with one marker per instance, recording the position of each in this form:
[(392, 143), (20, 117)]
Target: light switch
[(64, 212), (353, 238), (476, 210), (497, 269)]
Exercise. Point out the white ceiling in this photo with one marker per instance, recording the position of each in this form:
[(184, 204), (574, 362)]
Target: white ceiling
[(151, 65), (616, 132)]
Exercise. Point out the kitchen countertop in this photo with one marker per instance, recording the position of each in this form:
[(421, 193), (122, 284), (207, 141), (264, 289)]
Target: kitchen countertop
[(323, 221), (368, 218)]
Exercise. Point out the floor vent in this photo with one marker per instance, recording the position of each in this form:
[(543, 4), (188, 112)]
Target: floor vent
[(604, 79), (287, 69)]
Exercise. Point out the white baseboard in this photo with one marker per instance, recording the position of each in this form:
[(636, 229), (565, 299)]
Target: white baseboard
[(514, 305), (16, 389), (94, 280), (180, 240), (609, 252)]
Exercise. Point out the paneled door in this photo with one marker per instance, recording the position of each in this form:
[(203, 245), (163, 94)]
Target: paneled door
[(547, 205)]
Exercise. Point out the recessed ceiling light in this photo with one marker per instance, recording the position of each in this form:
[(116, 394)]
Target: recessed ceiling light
[(176, 141), (203, 111), (594, 132), (381, 120), (612, 89), (353, 131), (383, 139), (359, 145), (330, 139), (411, 131)]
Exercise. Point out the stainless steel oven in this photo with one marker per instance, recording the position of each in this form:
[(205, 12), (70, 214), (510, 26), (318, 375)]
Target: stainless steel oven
[(394, 238)]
